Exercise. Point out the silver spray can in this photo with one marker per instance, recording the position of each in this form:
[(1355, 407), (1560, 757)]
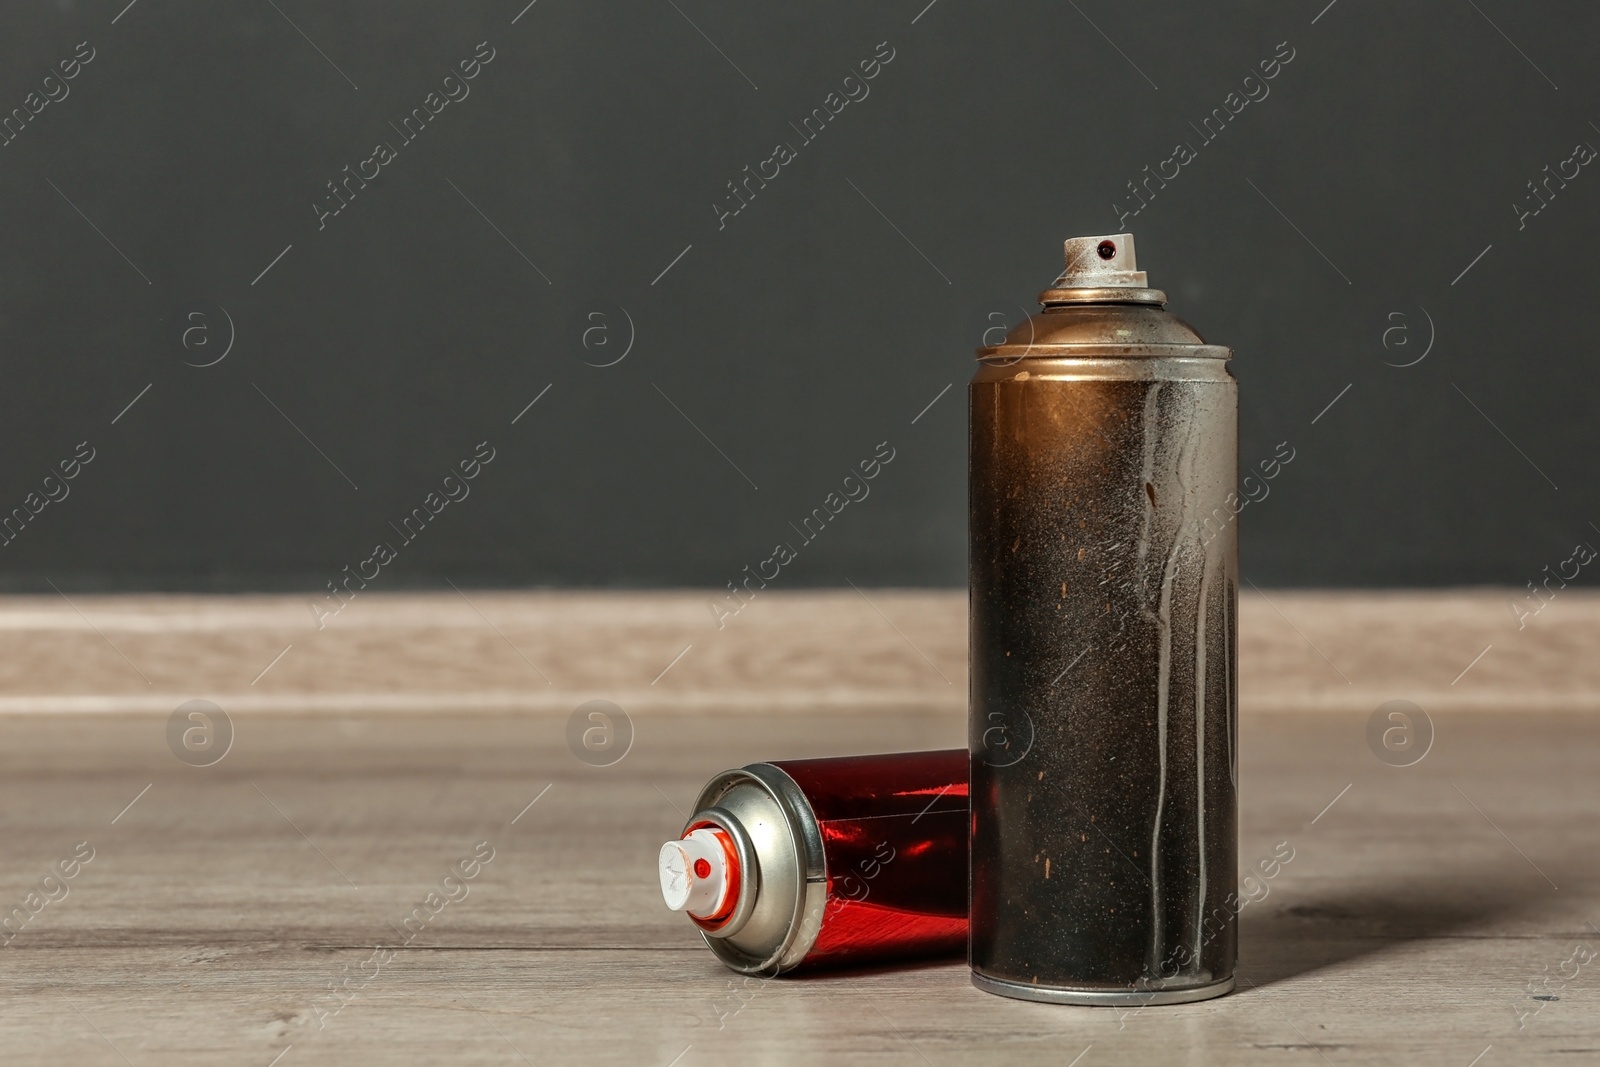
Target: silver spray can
[(1103, 567)]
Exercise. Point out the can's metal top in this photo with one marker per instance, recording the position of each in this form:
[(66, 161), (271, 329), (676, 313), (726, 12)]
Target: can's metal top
[(1102, 306), (770, 918)]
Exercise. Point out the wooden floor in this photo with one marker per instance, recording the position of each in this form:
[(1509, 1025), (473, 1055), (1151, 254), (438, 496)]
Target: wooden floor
[(256, 908)]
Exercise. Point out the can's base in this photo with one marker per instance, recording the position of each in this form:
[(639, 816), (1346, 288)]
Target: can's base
[(1100, 997)]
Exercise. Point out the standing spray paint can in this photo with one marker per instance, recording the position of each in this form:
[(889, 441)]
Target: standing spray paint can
[(826, 862), (1104, 437)]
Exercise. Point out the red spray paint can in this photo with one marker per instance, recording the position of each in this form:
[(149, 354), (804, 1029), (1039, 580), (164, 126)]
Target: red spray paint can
[(826, 862)]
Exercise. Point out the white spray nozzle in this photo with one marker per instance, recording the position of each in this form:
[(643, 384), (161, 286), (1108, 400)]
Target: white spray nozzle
[(695, 872)]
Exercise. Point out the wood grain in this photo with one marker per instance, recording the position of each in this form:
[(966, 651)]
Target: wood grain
[(785, 652), (221, 902), (217, 910)]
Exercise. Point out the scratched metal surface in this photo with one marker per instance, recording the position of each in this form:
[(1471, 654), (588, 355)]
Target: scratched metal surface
[(1103, 670)]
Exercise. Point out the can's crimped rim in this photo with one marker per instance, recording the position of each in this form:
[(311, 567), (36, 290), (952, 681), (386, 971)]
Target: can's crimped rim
[(1099, 349), (1101, 997), (810, 867), (1102, 295)]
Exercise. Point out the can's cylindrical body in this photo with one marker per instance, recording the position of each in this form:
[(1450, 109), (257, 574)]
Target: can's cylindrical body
[(854, 860), (1103, 443)]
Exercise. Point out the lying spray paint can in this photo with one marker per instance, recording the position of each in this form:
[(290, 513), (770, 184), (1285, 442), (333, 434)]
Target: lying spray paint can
[(826, 862), (1103, 444)]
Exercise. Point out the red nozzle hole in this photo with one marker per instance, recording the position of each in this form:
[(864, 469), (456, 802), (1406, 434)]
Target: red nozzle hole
[(1107, 249), (702, 868)]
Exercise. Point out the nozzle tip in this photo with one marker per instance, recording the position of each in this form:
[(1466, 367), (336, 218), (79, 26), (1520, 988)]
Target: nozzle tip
[(1102, 262), (695, 873)]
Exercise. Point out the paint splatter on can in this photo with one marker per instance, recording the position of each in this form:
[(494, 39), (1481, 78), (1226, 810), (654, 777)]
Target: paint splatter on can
[(1103, 723)]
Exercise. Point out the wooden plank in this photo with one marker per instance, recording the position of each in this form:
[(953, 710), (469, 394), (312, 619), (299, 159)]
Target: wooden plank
[(220, 905), (785, 652), (222, 902)]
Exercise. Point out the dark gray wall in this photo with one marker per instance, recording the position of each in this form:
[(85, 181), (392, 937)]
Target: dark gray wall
[(818, 322)]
